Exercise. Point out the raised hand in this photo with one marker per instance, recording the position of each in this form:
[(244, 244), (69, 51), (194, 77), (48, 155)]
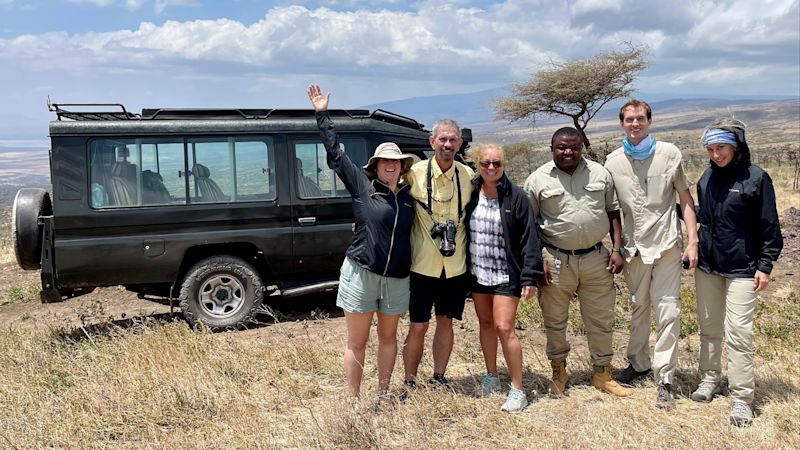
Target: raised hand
[(319, 101)]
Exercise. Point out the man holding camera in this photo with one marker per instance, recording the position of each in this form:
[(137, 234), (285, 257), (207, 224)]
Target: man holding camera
[(441, 187), (574, 204)]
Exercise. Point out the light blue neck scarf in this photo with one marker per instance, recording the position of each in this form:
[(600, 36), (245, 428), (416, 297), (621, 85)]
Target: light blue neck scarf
[(641, 151)]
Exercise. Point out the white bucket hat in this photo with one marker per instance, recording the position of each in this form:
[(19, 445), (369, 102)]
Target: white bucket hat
[(389, 150)]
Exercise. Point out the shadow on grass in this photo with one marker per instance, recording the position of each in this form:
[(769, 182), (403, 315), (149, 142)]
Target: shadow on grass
[(310, 307)]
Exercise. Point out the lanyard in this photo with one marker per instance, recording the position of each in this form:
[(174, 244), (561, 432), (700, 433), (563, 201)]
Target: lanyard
[(430, 190)]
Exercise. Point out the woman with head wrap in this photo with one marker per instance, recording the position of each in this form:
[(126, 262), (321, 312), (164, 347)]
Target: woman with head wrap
[(740, 239)]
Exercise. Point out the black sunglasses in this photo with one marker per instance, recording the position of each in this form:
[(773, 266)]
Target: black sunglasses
[(486, 164)]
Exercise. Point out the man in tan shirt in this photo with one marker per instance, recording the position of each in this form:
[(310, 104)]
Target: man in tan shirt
[(575, 207), (441, 187), (647, 175)]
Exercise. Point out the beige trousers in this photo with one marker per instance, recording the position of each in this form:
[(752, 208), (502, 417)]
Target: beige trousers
[(587, 276), (655, 286), (727, 305)]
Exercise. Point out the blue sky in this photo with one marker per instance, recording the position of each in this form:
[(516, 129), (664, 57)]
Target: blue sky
[(248, 53)]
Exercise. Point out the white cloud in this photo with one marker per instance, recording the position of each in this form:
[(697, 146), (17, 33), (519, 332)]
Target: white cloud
[(717, 75)]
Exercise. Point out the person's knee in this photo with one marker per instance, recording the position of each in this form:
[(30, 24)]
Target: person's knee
[(357, 345), (505, 329), (444, 323), (387, 336), (417, 330), (486, 323)]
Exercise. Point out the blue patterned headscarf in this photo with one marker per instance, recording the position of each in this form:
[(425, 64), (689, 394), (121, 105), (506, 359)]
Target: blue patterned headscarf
[(719, 136)]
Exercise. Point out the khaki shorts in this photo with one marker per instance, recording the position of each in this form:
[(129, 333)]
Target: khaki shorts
[(363, 291)]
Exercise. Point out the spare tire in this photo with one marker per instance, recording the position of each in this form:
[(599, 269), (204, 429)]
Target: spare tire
[(26, 232)]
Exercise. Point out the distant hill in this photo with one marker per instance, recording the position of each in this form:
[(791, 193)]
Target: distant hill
[(474, 110)]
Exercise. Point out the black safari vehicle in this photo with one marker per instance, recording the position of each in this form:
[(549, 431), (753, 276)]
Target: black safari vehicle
[(215, 208)]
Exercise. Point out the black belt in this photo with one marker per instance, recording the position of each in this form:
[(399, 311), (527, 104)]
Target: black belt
[(582, 251)]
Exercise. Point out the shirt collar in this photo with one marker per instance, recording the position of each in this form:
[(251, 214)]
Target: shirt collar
[(436, 171)]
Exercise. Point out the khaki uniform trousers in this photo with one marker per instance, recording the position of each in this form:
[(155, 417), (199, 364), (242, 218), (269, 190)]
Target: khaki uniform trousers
[(586, 275), (655, 286), (727, 305)]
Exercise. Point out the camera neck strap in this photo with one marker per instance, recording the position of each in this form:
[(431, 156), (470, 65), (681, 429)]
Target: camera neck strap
[(430, 190)]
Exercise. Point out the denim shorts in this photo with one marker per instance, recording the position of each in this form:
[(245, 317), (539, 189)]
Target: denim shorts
[(361, 290)]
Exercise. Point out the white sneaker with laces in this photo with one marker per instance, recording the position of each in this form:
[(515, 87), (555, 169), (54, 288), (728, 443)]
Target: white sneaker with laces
[(516, 400)]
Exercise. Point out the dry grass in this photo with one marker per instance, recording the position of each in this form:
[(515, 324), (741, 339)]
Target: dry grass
[(162, 385)]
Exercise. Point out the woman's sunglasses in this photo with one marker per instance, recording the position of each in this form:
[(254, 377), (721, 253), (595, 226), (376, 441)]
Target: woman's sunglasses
[(485, 164)]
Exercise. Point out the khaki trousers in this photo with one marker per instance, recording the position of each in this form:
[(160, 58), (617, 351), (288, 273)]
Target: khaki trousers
[(655, 286), (587, 276), (727, 305)]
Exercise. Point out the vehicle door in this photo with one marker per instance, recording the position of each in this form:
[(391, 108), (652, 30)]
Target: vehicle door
[(322, 213)]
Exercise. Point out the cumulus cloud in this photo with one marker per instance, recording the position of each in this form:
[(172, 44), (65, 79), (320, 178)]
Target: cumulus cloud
[(436, 42)]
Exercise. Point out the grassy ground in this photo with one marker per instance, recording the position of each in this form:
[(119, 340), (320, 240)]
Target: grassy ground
[(161, 385)]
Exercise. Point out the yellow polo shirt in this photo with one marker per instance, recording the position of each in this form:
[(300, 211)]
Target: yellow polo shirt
[(425, 256)]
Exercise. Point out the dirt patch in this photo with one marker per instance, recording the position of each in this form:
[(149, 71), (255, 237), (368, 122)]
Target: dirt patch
[(790, 222)]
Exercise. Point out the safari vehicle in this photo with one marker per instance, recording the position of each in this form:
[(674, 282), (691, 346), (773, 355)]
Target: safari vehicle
[(214, 208)]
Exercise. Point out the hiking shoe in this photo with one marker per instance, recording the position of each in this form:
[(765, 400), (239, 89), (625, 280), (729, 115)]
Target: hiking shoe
[(437, 381), (665, 399), (408, 385), (602, 381), (489, 385), (516, 400), (706, 391), (741, 414), (629, 375), (559, 383)]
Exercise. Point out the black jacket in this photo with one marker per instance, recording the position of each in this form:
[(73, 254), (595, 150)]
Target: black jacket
[(523, 252), (739, 230), (382, 241)]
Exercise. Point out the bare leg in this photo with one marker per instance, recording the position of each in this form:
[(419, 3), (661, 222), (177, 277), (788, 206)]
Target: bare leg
[(387, 347), (442, 344), (358, 325), (487, 334), (505, 321), (412, 350)]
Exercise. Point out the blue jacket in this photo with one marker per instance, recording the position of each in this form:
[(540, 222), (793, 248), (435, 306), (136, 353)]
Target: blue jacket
[(382, 241), (523, 251)]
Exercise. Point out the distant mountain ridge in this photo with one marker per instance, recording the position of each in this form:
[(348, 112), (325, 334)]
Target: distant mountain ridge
[(474, 110)]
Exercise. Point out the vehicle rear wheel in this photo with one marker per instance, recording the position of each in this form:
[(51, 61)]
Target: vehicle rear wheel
[(26, 233), (221, 292)]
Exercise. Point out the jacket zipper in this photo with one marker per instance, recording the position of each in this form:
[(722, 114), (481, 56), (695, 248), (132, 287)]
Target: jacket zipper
[(394, 228)]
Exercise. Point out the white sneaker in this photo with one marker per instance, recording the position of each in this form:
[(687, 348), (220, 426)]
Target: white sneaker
[(516, 400), (489, 385), (706, 391)]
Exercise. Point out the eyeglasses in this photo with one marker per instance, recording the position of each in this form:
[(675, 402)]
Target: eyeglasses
[(486, 164)]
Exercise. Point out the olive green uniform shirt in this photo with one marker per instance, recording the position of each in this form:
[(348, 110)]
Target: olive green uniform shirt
[(425, 256), (572, 210), (646, 191)]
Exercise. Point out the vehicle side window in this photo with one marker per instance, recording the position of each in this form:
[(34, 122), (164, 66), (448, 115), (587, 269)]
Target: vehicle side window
[(313, 178), (152, 172), (231, 169)]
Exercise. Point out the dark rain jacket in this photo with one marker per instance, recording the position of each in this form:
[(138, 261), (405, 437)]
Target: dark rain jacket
[(523, 251), (739, 230), (382, 241)]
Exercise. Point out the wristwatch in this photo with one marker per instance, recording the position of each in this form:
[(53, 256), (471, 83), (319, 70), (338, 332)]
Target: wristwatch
[(616, 250)]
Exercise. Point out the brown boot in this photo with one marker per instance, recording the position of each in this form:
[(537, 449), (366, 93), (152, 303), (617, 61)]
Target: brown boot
[(558, 386), (603, 381)]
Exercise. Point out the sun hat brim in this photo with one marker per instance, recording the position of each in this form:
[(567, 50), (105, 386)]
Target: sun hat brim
[(389, 150)]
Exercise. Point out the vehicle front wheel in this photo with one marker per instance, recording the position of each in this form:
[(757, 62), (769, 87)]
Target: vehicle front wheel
[(222, 292)]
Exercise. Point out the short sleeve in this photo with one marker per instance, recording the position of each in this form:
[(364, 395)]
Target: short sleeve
[(612, 204)]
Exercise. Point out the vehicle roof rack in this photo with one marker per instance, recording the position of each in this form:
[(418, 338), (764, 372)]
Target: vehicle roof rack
[(117, 111), (87, 114)]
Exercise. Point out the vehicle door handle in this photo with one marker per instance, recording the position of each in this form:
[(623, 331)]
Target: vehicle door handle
[(307, 221)]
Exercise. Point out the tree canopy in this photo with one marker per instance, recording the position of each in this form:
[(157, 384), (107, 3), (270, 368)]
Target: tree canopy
[(577, 89)]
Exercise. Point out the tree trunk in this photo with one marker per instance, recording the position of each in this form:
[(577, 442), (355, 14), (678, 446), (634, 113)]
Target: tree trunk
[(587, 146)]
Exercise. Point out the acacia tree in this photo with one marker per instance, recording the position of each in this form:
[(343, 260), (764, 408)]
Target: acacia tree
[(577, 89)]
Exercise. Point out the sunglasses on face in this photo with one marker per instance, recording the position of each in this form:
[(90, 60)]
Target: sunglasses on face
[(486, 164)]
